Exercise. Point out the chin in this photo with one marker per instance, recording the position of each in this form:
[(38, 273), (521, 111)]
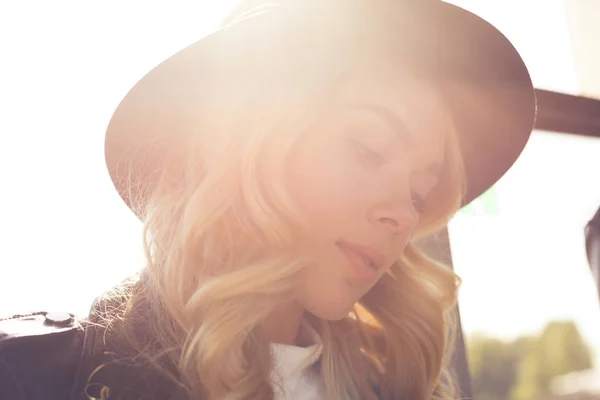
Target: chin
[(332, 310)]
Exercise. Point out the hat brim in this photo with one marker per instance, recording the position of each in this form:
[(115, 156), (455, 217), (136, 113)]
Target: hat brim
[(484, 80)]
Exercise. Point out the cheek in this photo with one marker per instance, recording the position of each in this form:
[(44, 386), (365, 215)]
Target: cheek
[(323, 183)]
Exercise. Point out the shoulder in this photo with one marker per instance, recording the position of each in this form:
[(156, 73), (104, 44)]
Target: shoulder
[(121, 356), (56, 356), (592, 230), (39, 355), (592, 243), (595, 221)]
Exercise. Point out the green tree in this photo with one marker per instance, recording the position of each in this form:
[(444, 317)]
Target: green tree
[(559, 350), (524, 369), (492, 363)]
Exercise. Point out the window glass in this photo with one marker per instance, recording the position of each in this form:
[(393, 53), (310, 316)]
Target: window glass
[(520, 247), (65, 236), (539, 30)]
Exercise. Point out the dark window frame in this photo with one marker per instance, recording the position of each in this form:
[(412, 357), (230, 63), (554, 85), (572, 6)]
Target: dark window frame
[(565, 113)]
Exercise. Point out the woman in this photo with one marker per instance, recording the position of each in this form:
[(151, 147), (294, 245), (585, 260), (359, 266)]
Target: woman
[(285, 168)]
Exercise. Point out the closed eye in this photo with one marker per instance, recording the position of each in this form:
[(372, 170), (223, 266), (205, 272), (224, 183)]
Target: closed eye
[(419, 203), (366, 155)]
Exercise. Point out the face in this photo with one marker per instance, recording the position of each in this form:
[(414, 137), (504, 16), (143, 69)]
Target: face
[(360, 176)]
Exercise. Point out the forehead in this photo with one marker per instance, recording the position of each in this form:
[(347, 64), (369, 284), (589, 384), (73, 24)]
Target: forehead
[(415, 100)]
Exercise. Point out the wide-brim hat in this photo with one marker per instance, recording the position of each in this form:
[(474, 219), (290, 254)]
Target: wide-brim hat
[(486, 83)]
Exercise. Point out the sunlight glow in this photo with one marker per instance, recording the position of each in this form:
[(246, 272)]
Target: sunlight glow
[(66, 236)]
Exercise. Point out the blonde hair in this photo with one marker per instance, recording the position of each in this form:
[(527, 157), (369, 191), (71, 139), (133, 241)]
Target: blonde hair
[(219, 229)]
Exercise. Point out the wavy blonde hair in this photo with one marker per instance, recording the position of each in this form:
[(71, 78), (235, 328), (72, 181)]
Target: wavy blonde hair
[(219, 229)]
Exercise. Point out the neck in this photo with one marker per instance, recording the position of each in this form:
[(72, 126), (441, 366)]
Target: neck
[(283, 324)]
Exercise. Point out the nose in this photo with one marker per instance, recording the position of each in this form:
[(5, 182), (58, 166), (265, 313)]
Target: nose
[(395, 218), (393, 209), (391, 203)]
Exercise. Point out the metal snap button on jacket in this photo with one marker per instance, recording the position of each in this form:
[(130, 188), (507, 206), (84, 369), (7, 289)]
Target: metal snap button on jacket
[(59, 319)]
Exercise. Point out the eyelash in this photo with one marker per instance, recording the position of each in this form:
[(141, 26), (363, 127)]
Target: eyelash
[(418, 203), (367, 155), (373, 158)]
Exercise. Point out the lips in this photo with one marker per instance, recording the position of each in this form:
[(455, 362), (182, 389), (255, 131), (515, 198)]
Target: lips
[(370, 257)]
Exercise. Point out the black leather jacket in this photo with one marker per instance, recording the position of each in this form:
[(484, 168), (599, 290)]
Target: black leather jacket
[(39, 356), (55, 356)]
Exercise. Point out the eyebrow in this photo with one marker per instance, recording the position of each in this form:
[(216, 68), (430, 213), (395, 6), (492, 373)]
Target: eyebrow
[(392, 119), (400, 128)]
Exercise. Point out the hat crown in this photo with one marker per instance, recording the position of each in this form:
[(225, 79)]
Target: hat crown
[(486, 84)]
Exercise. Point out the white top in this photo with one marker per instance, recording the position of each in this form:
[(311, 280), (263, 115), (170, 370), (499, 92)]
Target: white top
[(294, 375)]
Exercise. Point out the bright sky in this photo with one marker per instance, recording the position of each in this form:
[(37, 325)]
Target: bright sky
[(66, 237)]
